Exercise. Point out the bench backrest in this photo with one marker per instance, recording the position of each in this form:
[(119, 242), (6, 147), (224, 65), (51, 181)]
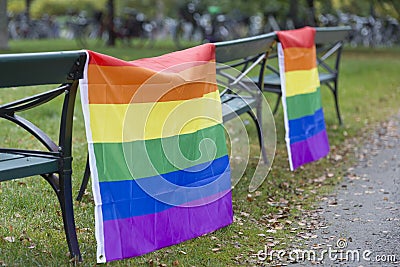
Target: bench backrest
[(244, 54), (41, 68), (245, 47), (63, 69), (329, 43), (242, 58), (325, 35)]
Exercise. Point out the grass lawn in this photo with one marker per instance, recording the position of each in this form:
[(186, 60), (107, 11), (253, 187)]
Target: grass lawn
[(31, 230)]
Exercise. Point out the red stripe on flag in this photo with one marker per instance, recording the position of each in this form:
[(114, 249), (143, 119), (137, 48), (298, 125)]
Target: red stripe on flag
[(303, 37), (200, 53)]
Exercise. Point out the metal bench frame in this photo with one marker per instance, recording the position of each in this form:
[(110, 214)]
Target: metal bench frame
[(329, 43), (53, 163), (245, 54)]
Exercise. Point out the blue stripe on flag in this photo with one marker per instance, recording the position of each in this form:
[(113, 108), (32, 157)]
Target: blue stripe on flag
[(305, 127), (130, 198)]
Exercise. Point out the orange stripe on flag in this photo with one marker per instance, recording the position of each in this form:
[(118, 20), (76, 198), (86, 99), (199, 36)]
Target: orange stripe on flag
[(123, 85), (297, 58)]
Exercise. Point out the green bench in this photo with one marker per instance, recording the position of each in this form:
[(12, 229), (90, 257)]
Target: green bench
[(237, 97), (53, 162), (65, 69), (235, 61), (329, 42), (245, 55)]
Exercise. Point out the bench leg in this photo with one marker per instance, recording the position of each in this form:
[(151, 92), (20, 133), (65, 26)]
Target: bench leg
[(278, 100), (335, 94), (85, 181), (65, 198), (333, 86), (260, 135)]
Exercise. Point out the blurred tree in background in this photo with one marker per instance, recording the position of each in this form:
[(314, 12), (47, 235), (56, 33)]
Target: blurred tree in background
[(3, 25), (152, 8), (110, 22), (288, 13)]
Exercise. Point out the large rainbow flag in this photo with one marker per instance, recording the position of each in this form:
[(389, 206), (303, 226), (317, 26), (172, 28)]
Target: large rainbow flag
[(158, 157), (306, 136)]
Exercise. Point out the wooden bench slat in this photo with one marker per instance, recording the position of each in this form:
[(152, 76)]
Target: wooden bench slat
[(274, 81), (38, 68), (7, 156), (242, 48), (326, 77), (331, 34), (235, 106), (17, 166)]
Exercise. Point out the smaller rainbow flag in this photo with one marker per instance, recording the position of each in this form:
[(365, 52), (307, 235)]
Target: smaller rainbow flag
[(157, 149), (306, 136)]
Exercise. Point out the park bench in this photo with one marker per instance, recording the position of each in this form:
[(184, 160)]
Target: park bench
[(65, 69), (53, 162), (237, 96), (329, 43), (245, 55)]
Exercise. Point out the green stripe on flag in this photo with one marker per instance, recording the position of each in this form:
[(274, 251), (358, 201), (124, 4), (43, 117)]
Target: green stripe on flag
[(303, 105), (158, 156)]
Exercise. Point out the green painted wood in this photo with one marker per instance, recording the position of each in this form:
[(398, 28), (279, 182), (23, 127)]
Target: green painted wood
[(37, 68), (326, 35), (242, 48), (234, 106), (326, 77), (17, 166)]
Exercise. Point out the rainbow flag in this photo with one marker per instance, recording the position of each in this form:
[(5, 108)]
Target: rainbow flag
[(158, 157), (306, 136)]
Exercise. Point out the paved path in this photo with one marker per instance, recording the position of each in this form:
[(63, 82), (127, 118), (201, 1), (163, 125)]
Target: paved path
[(362, 218)]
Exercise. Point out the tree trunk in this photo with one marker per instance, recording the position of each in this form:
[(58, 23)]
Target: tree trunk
[(293, 15), (3, 25), (311, 18), (28, 8), (110, 23)]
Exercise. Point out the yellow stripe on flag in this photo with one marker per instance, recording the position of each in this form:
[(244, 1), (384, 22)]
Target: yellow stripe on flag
[(143, 121), (301, 82)]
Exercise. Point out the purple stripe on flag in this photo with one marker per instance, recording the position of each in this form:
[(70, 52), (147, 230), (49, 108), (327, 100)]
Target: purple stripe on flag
[(311, 149), (138, 235)]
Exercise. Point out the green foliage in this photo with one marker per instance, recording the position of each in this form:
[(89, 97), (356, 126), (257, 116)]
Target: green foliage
[(325, 6), (16, 6), (364, 8), (149, 7), (54, 7), (356, 7), (57, 7)]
